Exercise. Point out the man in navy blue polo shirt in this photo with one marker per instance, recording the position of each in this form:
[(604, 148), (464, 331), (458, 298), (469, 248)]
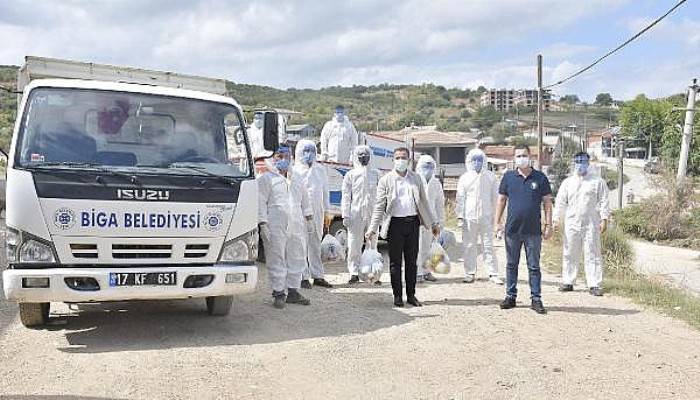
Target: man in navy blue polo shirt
[(524, 190)]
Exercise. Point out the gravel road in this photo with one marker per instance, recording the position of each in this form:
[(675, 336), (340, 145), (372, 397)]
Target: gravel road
[(351, 344)]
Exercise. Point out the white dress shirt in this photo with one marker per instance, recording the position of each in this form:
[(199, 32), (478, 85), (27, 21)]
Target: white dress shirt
[(405, 205)]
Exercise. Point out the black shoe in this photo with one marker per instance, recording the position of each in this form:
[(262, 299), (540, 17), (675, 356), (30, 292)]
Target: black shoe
[(377, 283), (305, 284), (322, 282), (279, 299), (566, 288), (538, 307), (354, 279), (429, 277), (398, 301), (595, 291), (508, 303), (412, 300), (294, 297)]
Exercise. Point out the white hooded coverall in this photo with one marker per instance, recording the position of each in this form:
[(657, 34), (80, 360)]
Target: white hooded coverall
[(358, 195), (436, 200), (283, 204), (477, 193), (338, 139), (315, 181), (583, 200)]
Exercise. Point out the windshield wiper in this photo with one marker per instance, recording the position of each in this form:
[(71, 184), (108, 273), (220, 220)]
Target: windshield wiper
[(79, 164), (72, 164), (202, 170)]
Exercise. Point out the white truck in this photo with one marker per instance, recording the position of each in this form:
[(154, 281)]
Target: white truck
[(127, 184)]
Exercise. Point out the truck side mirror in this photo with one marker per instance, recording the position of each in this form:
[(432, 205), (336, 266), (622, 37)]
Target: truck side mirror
[(270, 131)]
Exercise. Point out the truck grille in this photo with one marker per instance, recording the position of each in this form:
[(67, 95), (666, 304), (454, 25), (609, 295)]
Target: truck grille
[(121, 251), (196, 250), (142, 251), (84, 250)]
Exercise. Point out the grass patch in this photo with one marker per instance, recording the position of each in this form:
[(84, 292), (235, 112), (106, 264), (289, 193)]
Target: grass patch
[(620, 279)]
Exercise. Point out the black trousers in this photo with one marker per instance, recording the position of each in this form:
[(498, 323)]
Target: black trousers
[(403, 244)]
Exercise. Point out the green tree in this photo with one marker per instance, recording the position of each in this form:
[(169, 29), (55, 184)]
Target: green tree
[(603, 99), (643, 120), (569, 99), (485, 117)]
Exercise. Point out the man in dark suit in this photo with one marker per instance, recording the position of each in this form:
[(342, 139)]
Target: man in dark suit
[(401, 207)]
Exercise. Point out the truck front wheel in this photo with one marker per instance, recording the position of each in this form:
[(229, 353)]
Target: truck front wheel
[(219, 305), (34, 314)]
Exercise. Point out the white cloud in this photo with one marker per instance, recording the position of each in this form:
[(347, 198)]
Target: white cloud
[(306, 43)]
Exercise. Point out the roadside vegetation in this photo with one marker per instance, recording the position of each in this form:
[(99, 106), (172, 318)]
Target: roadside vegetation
[(671, 217), (620, 278)]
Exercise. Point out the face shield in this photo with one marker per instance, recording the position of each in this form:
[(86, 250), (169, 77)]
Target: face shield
[(340, 114), (581, 164), (280, 159), (426, 169), (258, 120), (308, 154)]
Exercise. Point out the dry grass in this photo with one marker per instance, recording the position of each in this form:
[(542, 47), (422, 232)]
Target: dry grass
[(621, 279)]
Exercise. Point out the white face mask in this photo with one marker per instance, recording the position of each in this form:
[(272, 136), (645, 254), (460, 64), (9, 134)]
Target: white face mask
[(401, 165), (522, 162)]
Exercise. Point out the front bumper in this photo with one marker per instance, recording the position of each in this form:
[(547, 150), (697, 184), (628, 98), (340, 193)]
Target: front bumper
[(59, 291)]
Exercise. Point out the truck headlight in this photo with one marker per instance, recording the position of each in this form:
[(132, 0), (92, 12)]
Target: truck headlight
[(241, 249), (35, 251), (12, 239), (235, 250)]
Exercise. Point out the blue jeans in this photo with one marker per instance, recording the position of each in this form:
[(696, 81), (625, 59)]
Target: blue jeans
[(533, 245)]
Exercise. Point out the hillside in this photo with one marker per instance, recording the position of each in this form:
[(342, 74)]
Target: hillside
[(385, 106)]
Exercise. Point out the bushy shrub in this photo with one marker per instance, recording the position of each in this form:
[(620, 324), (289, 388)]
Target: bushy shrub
[(617, 252)]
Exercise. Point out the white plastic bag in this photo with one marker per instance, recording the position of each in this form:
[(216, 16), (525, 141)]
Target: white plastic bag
[(371, 265), (331, 249), (438, 261), (447, 239)]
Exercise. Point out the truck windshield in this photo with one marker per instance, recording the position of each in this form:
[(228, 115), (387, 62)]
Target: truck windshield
[(84, 129)]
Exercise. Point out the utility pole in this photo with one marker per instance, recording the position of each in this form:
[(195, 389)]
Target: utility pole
[(687, 132), (620, 170), (539, 111)]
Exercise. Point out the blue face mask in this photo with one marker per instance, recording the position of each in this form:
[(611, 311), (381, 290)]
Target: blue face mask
[(282, 164), (581, 168), (308, 157), (477, 163)]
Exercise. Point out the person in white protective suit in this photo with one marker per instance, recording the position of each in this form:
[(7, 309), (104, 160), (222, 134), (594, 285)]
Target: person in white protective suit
[(315, 182), (583, 202), (338, 138), (358, 194), (255, 136), (285, 217), (425, 167), (477, 192)]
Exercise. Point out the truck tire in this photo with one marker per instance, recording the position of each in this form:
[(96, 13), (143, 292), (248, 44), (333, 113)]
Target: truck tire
[(34, 314), (339, 231), (219, 305)]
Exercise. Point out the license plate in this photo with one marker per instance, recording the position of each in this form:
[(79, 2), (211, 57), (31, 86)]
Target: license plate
[(142, 278)]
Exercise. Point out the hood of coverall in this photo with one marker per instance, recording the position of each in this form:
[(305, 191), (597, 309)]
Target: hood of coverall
[(474, 153), (299, 152), (424, 160), (355, 155)]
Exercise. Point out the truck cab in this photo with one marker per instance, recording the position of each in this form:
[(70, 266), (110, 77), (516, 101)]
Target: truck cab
[(128, 191)]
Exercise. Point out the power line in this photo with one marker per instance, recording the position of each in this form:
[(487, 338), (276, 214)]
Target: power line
[(640, 33)]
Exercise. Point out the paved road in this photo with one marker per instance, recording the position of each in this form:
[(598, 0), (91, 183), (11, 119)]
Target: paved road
[(679, 266)]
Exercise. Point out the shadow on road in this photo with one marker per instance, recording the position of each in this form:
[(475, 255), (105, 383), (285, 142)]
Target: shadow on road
[(136, 326), (592, 310)]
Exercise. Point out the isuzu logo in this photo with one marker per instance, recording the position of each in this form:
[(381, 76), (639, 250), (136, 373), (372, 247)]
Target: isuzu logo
[(143, 194)]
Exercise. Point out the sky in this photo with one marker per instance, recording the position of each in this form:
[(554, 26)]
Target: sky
[(313, 44)]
